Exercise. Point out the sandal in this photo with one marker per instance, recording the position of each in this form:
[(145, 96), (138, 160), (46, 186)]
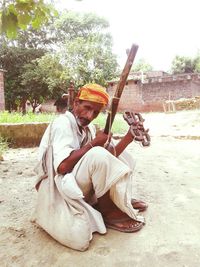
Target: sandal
[(117, 224), (139, 204)]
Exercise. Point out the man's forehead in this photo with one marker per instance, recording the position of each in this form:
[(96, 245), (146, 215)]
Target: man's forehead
[(92, 104)]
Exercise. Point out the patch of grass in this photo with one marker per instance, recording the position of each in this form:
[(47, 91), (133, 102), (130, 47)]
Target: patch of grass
[(119, 125), (17, 117)]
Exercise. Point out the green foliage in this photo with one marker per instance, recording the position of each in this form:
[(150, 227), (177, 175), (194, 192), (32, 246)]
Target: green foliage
[(197, 62), (44, 79), (87, 53), (119, 125), (87, 61), (181, 64), (41, 66), (72, 25), (17, 117), (142, 65), (16, 58), (18, 14), (13, 59), (42, 38)]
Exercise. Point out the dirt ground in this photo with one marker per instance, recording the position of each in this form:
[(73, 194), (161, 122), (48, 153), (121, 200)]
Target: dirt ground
[(167, 176)]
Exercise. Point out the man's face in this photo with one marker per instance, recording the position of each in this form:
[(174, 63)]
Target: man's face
[(86, 111)]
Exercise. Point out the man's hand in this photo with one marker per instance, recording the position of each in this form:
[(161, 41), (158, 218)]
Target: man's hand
[(100, 139)]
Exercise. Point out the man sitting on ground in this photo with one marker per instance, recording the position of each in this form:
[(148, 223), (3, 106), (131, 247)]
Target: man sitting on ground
[(104, 175)]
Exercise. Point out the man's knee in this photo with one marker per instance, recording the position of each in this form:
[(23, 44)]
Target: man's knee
[(99, 153), (98, 156)]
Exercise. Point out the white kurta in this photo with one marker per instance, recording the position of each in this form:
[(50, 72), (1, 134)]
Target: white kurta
[(95, 173)]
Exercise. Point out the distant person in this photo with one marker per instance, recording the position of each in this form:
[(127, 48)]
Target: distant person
[(61, 103), (38, 109), (29, 108)]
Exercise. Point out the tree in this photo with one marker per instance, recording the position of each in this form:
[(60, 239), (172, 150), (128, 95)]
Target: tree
[(72, 25), (43, 79), (84, 57), (181, 64), (197, 62), (87, 53), (18, 14), (12, 59), (15, 54), (142, 65), (37, 38)]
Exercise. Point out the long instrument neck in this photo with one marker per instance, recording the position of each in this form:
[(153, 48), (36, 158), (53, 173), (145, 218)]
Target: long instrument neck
[(120, 88)]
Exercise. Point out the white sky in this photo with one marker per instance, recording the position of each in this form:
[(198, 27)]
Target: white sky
[(161, 28)]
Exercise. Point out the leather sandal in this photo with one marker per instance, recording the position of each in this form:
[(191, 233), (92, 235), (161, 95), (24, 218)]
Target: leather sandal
[(117, 224), (139, 204)]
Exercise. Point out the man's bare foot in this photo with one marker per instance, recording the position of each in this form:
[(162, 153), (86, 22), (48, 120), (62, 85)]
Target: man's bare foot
[(114, 218), (139, 204)]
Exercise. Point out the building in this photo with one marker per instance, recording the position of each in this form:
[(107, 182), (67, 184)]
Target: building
[(144, 93)]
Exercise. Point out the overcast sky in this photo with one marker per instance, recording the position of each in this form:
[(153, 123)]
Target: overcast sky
[(161, 28)]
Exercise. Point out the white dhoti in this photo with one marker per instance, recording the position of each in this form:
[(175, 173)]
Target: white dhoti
[(97, 172), (63, 208)]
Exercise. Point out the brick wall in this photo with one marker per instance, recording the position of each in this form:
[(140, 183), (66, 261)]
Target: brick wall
[(131, 96), (2, 99), (150, 95)]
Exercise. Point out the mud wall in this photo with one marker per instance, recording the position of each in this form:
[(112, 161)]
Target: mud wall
[(23, 134)]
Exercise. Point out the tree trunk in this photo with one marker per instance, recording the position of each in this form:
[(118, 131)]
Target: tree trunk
[(23, 105)]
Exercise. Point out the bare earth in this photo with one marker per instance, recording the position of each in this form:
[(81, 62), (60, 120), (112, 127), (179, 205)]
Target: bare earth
[(167, 176)]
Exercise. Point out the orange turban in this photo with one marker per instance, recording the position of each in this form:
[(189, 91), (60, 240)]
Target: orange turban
[(93, 92)]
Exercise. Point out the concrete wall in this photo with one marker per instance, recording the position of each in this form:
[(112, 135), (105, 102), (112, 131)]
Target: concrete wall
[(23, 134), (2, 99)]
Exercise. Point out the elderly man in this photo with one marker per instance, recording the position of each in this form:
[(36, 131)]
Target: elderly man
[(102, 175)]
